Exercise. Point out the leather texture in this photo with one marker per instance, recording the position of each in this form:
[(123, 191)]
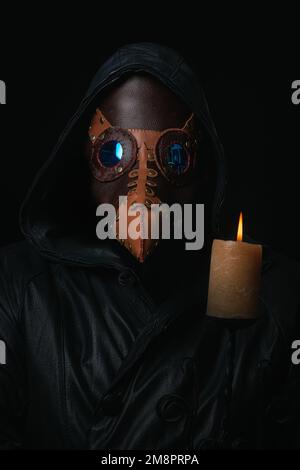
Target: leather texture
[(93, 362)]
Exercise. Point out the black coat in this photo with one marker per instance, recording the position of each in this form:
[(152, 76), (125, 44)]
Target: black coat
[(104, 354)]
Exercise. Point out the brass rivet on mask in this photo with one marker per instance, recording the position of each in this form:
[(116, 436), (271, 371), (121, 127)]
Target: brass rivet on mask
[(119, 169)]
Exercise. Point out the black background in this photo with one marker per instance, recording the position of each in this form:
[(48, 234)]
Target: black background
[(47, 64)]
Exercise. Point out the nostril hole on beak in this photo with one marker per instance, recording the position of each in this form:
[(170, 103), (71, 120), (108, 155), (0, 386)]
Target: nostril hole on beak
[(152, 173), (149, 191), (133, 174), (131, 184), (152, 184), (131, 191)]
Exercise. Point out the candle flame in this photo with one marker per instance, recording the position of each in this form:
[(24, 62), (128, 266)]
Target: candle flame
[(240, 229)]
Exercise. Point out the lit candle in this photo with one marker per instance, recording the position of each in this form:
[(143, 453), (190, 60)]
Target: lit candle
[(234, 281)]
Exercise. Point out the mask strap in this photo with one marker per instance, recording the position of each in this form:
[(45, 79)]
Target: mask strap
[(98, 125), (188, 126)]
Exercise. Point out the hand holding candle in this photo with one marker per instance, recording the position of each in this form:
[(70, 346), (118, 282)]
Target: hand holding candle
[(234, 282)]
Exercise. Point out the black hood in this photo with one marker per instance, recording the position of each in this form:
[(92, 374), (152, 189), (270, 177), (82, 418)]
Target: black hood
[(49, 216)]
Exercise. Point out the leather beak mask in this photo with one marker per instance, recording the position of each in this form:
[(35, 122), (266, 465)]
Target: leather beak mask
[(143, 165)]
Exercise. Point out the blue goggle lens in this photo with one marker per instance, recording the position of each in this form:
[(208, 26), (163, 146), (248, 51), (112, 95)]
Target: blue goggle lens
[(111, 153), (177, 158)]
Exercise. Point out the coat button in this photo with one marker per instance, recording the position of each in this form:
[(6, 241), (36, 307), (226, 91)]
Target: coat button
[(209, 444), (171, 408), (111, 404), (126, 278), (277, 411), (239, 443)]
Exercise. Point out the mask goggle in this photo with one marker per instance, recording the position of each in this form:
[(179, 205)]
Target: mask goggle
[(115, 150)]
